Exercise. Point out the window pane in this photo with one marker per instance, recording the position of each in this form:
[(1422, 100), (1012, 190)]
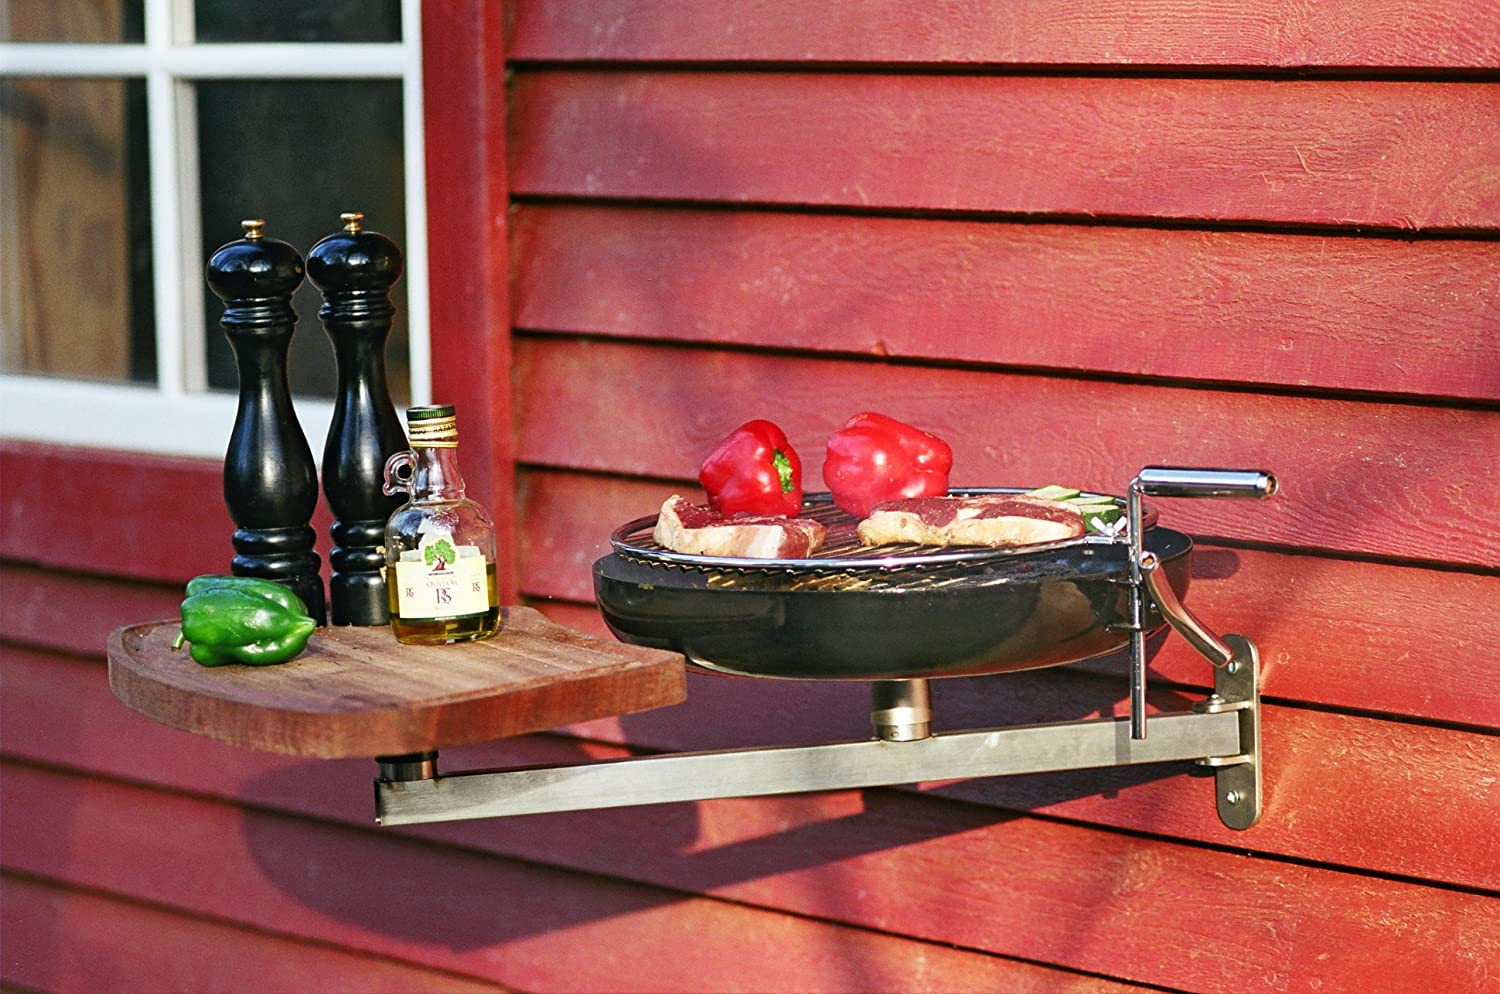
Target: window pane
[(298, 20), (92, 21), (299, 153), (75, 230)]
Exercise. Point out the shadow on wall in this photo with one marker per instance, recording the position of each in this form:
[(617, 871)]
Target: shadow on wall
[(471, 886)]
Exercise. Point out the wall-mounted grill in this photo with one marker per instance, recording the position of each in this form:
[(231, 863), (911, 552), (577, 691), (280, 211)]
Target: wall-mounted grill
[(855, 612), (896, 616)]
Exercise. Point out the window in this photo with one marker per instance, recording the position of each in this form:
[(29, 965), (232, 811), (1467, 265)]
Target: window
[(134, 137)]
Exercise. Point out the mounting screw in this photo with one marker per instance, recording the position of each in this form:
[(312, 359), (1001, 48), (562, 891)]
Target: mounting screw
[(1233, 797), (1233, 667)]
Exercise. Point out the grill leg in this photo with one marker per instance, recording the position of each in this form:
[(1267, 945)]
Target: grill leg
[(901, 710)]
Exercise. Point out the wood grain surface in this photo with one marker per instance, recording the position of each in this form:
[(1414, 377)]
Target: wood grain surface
[(913, 861), (1406, 481), (1310, 759), (1441, 34), (61, 938), (1327, 153), (436, 906), (166, 517), (28, 608), (357, 692), (1422, 774), (1306, 312)]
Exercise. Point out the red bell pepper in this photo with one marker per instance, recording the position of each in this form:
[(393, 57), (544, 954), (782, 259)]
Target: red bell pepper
[(753, 471), (874, 458)]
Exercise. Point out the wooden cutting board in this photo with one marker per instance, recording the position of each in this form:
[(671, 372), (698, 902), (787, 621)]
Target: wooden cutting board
[(358, 692)]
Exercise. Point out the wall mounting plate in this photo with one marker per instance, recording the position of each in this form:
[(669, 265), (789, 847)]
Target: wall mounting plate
[(1237, 785)]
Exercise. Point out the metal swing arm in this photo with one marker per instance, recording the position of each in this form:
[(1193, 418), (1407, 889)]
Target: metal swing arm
[(1222, 731)]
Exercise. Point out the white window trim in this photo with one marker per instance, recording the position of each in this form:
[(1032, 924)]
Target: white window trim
[(178, 416)]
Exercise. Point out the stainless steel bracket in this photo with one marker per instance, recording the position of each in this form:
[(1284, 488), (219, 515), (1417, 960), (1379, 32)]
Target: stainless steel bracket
[(1237, 779), (1223, 731)]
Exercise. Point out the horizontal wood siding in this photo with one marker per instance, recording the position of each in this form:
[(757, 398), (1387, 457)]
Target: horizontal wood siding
[(61, 938), (1435, 34), (1249, 151), (129, 515), (1073, 245), (806, 855), (1073, 239), (1360, 476), (435, 904), (1411, 317)]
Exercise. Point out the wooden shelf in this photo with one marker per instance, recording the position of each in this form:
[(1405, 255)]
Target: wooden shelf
[(357, 692)]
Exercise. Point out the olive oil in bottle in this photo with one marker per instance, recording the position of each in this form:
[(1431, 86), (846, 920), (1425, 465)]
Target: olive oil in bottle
[(439, 546)]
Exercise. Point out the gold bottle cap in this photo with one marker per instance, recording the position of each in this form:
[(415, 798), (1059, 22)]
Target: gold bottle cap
[(433, 425), (254, 229), (352, 221)]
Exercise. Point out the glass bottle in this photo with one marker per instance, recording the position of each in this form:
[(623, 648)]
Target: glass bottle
[(439, 546)]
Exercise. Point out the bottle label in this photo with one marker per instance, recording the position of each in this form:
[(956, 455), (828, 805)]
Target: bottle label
[(440, 581)]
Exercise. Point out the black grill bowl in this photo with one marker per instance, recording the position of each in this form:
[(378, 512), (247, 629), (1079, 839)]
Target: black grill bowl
[(1014, 611)]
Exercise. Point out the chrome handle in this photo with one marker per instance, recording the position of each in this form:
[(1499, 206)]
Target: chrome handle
[(1174, 481), (1183, 621), (1180, 481)]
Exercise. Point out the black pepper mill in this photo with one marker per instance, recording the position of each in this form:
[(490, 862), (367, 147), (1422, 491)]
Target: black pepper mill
[(270, 479), (355, 269)]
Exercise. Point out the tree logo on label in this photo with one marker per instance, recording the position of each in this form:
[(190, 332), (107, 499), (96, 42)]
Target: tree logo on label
[(439, 554)]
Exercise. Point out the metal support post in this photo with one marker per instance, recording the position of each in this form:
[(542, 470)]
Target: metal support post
[(901, 710)]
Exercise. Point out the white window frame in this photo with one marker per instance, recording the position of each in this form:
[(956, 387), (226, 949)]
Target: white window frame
[(178, 415)]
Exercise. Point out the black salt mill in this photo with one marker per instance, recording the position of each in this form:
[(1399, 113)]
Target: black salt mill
[(355, 270), (270, 479)]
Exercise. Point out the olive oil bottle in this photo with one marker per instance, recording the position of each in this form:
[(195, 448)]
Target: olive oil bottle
[(440, 545)]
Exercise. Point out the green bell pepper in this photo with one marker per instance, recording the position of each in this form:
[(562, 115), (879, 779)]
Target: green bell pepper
[(241, 619)]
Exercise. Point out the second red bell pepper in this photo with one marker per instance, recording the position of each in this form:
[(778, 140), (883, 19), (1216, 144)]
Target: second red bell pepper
[(875, 458), (753, 471)]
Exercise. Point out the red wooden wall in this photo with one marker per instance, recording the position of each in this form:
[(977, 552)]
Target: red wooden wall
[(1072, 238)]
